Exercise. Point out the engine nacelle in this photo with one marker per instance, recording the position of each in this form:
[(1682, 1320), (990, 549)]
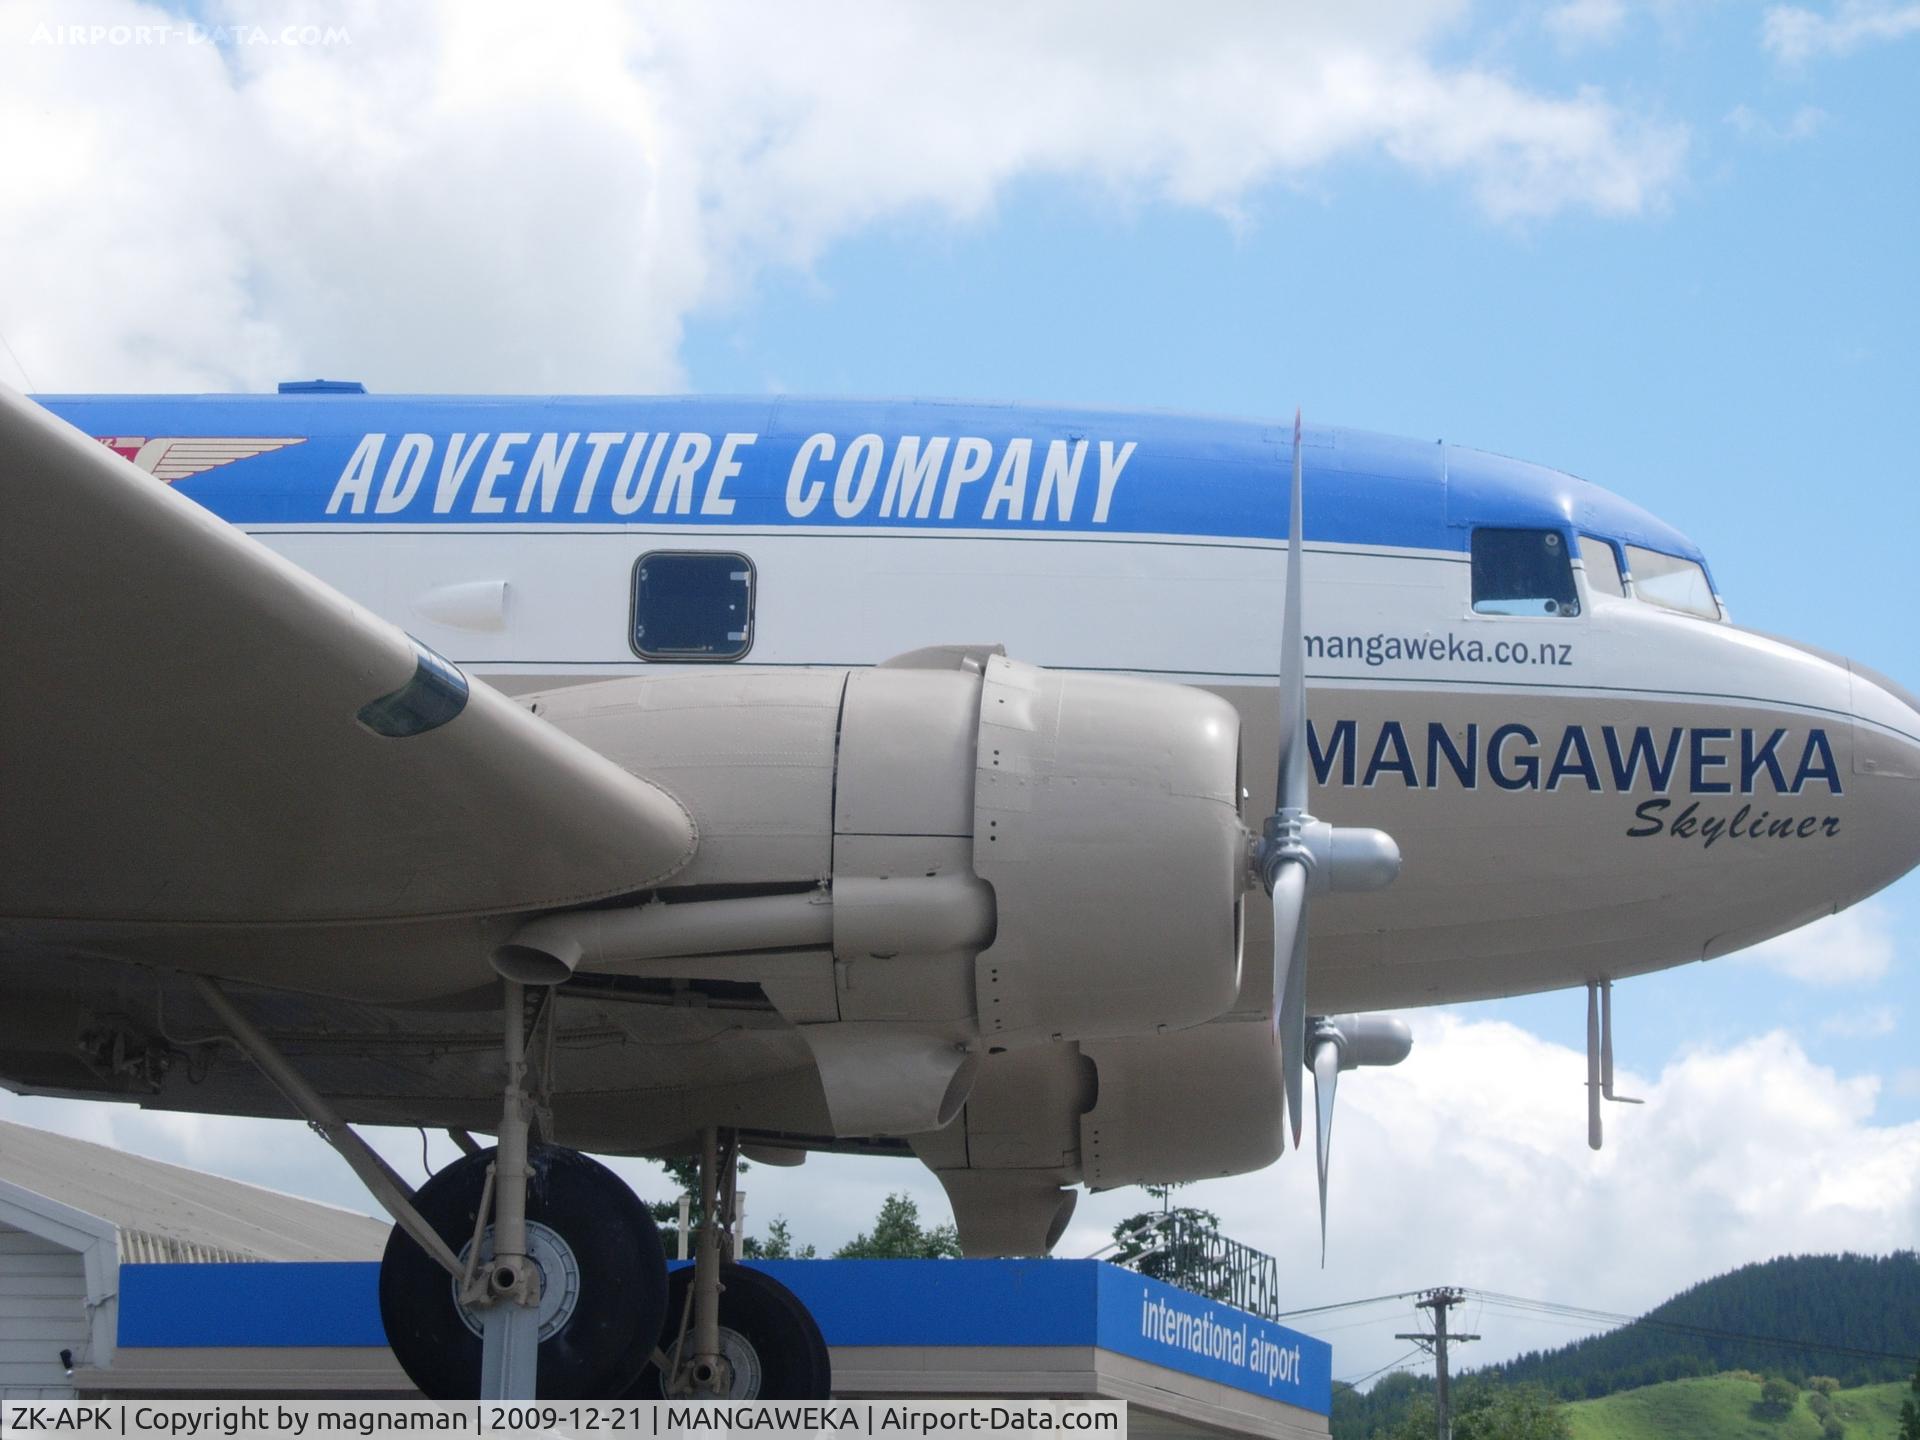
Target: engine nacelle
[(1224, 1116), (1102, 813), (1148, 1109)]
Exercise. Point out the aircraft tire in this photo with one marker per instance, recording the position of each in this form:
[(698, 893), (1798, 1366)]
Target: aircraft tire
[(604, 1280), (776, 1348)]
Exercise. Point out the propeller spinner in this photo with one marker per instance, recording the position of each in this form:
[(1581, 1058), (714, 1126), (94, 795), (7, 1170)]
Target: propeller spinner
[(1298, 857)]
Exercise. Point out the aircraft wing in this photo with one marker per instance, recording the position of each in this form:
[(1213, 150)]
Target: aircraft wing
[(193, 730)]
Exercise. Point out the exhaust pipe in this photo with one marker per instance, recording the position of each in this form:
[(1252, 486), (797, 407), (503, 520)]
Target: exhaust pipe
[(918, 916)]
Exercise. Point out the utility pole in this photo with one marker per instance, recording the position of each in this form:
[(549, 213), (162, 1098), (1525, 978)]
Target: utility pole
[(1439, 1301)]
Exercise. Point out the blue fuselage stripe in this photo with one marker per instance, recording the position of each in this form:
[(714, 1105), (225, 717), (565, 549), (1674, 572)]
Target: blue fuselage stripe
[(738, 464)]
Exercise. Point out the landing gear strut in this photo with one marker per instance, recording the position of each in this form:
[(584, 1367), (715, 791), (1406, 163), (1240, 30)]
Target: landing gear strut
[(731, 1333), (518, 1271), (506, 1287), (562, 1282)]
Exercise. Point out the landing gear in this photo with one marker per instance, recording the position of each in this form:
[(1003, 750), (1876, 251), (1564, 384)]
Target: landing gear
[(770, 1345), (731, 1333), (531, 1270), (527, 1269), (596, 1252)]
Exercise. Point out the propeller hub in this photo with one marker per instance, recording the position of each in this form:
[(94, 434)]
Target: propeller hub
[(1336, 858), (1363, 1039), (1283, 841)]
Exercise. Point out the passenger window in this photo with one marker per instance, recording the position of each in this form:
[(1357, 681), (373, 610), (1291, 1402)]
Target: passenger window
[(1522, 572), (1671, 583), (1603, 566), (692, 605)]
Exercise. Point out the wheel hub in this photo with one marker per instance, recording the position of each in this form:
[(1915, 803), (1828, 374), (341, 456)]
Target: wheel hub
[(742, 1364), (559, 1277)]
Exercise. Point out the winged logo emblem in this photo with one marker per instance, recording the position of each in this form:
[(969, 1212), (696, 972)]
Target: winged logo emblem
[(175, 457)]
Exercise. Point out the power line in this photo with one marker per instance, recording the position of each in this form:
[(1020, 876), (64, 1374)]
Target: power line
[(1346, 1305), (1356, 1384), (1365, 1323)]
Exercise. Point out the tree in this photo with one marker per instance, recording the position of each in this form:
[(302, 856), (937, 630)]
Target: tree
[(1910, 1410), (1416, 1421), (1778, 1395), (898, 1235), (666, 1214), (1376, 1414), (778, 1245), (1487, 1410), (1174, 1243), (1508, 1412)]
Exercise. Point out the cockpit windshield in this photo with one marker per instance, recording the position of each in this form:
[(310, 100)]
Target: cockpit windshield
[(1604, 576), (1671, 582)]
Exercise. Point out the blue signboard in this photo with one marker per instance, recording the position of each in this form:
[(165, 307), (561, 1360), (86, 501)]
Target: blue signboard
[(946, 1302), (1181, 1331), (270, 1305), (926, 1303)]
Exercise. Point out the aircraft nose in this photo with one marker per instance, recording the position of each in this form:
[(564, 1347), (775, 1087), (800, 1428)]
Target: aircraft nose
[(1886, 726)]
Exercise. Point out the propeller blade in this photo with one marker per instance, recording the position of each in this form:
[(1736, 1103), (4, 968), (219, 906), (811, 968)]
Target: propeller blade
[(1289, 919), (1290, 789), (1326, 1078), (1290, 984)]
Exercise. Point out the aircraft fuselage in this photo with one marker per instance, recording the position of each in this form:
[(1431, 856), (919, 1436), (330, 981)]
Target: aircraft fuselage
[(1599, 786)]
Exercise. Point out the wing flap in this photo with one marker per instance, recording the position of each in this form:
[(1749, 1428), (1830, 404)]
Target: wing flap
[(194, 730)]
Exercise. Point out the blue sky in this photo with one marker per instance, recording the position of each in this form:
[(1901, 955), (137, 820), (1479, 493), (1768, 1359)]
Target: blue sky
[(1667, 246), (1742, 360)]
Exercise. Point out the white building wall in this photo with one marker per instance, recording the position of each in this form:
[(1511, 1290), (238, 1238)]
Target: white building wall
[(43, 1310)]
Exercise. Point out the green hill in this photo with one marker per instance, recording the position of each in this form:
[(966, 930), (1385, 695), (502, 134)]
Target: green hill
[(1727, 1407), (1861, 1313), (1856, 1317)]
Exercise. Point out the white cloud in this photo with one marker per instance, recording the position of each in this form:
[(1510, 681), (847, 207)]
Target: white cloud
[(1577, 24), (480, 197), (1854, 947), (1466, 1165), (1794, 33), (1803, 124), (1864, 1024)]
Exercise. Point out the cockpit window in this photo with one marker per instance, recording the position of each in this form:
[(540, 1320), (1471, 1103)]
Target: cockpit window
[(1522, 572), (1603, 566), (1671, 583)]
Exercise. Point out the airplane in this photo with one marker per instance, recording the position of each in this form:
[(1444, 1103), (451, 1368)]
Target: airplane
[(689, 776)]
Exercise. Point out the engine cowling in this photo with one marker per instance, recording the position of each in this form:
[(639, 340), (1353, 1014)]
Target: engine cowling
[(1011, 855), (1106, 818)]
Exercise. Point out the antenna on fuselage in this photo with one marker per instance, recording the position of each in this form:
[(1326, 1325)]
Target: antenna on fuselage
[(1600, 1058)]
